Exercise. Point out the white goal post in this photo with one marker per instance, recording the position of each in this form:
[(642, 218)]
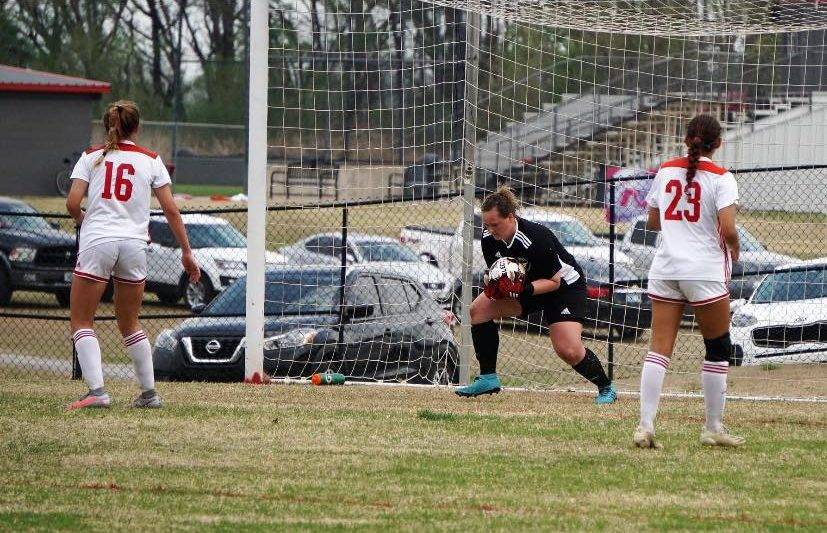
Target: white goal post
[(256, 189), (375, 127)]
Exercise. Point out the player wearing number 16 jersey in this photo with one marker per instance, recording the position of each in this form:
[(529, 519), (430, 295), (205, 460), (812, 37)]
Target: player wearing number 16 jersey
[(692, 202), (118, 179)]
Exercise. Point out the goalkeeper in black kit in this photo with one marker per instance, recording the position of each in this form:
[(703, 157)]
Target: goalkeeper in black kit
[(552, 282)]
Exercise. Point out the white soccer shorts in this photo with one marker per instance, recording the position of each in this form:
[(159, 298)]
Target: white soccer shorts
[(124, 261), (693, 292)]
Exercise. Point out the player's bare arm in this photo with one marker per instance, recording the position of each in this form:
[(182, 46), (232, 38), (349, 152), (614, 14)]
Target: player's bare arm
[(75, 198), (653, 221), (726, 219), (176, 225), (544, 286)]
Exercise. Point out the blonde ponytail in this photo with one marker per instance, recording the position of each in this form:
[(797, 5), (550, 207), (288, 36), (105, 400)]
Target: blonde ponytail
[(120, 120)]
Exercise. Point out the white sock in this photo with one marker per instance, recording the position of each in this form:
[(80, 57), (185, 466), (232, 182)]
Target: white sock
[(89, 357), (141, 353), (651, 383), (713, 378)]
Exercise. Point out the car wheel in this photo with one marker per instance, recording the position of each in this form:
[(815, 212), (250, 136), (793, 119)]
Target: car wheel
[(446, 369), (5, 288), (63, 297), (168, 296), (200, 293)]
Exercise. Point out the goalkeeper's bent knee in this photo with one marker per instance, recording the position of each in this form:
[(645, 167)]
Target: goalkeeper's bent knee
[(719, 349)]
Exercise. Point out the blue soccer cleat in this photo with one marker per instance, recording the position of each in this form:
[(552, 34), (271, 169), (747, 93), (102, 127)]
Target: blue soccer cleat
[(484, 384), (606, 395)]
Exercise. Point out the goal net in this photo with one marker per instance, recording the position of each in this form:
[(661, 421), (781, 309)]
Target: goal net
[(387, 121)]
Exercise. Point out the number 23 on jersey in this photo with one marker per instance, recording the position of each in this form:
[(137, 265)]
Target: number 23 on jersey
[(122, 186), (693, 198)]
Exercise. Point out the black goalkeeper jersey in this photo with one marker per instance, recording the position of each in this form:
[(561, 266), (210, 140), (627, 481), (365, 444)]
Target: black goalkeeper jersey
[(541, 249)]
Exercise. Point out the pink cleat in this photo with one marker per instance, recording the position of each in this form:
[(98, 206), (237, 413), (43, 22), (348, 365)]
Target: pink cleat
[(90, 400)]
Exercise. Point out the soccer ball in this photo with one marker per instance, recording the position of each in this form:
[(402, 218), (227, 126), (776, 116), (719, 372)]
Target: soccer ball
[(506, 275)]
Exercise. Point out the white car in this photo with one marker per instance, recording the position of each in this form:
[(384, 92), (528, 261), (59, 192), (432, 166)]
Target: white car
[(219, 248), (754, 261), (442, 247), (576, 237), (326, 248), (785, 319)]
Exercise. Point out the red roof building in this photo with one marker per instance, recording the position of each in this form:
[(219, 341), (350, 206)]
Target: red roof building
[(18, 79), (45, 118)]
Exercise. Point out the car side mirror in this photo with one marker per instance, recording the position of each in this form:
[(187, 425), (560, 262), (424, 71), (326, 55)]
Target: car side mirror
[(54, 225), (350, 258), (736, 304), (197, 309), (357, 311)]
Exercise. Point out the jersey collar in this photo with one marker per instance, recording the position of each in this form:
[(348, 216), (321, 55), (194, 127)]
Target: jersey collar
[(125, 141), (516, 230)]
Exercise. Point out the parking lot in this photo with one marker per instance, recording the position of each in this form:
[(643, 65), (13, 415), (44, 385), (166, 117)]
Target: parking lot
[(526, 360)]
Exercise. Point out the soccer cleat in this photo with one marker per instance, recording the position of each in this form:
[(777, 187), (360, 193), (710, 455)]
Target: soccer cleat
[(484, 384), (720, 438), (90, 400), (606, 395), (153, 402), (645, 439)]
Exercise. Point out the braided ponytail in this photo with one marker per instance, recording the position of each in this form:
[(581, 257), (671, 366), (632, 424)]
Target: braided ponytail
[(703, 135), (120, 120)]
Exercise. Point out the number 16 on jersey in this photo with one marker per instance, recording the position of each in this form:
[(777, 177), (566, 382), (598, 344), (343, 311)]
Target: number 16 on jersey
[(122, 186)]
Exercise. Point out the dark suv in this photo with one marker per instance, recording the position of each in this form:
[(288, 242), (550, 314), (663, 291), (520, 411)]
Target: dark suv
[(34, 254)]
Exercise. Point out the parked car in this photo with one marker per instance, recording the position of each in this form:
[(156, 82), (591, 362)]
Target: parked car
[(387, 328), (755, 260), (326, 249), (219, 248), (442, 247), (785, 318), (34, 254), (622, 307)]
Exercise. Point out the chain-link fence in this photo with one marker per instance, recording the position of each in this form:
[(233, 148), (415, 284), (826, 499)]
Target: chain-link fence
[(777, 289)]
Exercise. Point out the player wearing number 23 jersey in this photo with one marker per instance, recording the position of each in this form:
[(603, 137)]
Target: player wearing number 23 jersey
[(692, 202), (119, 192), (691, 246)]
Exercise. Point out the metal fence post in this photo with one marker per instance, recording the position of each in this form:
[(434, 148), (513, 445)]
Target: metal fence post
[(342, 277), (77, 373), (612, 242)]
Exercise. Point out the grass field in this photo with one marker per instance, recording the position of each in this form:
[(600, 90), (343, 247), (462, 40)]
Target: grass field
[(221, 457), (207, 190)]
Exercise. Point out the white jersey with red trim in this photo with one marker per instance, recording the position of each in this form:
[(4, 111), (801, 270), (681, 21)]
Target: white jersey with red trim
[(120, 187), (690, 246)]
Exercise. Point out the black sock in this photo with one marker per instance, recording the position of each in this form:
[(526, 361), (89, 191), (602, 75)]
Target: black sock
[(486, 339), (591, 369)]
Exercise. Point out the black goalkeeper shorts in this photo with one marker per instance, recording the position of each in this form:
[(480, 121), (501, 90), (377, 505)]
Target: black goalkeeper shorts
[(563, 305)]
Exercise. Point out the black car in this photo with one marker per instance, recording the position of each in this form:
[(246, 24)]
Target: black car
[(623, 308), (34, 254), (384, 328)]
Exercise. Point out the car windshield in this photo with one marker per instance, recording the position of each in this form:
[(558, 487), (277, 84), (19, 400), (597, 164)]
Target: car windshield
[(791, 286), (34, 223), (571, 233), (215, 236), (386, 251), (748, 243), (290, 292)]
